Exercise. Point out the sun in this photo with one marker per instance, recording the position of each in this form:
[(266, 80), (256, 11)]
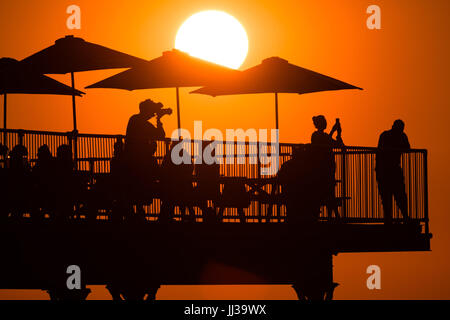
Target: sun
[(214, 36)]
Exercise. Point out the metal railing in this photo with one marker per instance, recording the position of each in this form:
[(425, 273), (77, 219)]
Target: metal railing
[(356, 186)]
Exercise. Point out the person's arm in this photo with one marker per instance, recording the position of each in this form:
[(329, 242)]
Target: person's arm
[(406, 142), (381, 142), (338, 142), (152, 133), (160, 133)]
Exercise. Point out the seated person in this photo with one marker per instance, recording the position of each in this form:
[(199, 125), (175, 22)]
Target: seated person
[(18, 197), (176, 186), (208, 182), (300, 186), (44, 179)]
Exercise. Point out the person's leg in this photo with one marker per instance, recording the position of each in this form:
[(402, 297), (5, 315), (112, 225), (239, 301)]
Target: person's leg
[(400, 195), (166, 211), (192, 216), (332, 204), (187, 212), (241, 215), (221, 211), (386, 199)]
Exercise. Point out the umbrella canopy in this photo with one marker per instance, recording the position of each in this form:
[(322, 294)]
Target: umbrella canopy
[(71, 54), (14, 78), (275, 75), (174, 69)]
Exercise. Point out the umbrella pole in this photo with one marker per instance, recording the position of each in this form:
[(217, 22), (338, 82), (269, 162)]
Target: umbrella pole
[(4, 111), (75, 136), (4, 119), (74, 108), (276, 110), (178, 111)]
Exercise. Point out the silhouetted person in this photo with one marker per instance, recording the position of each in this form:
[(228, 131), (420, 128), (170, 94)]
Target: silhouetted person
[(208, 183), (4, 210), (320, 137), (116, 163), (141, 136), (299, 181), (234, 195), (44, 180), (323, 144), (19, 182), (391, 183), (65, 182), (3, 154), (142, 169), (176, 186), (121, 189)]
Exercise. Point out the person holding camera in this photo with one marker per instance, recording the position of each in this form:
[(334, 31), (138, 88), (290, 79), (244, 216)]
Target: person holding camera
[(140, 145), (140, 132)]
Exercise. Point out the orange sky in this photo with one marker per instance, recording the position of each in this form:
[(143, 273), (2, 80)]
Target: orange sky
[(403, 69)]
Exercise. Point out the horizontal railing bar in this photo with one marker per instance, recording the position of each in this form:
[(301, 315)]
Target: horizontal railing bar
[(348, 149)]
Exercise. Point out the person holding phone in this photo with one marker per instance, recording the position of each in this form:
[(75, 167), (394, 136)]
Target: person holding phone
[(323, 144)]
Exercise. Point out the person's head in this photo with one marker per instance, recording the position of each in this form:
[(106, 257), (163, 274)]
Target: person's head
[(320, 122), (148, 108), (64, 155), (44, 153), (18, 156), (398, 126)]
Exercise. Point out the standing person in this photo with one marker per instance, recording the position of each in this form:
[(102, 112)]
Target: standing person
[(391, 182), (141, 135), (320, 137), (141, 167), (323, 144)]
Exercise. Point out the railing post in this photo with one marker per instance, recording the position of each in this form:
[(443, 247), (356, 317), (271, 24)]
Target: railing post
[(425, 169), (75, 148), (344, 182), (69, 140), (91, 170), (20, 133), (258, 174)]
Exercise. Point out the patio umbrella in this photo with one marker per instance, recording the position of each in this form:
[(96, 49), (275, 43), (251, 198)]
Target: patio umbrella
[(275, 75), (174, 69), (71, 54), (14, 78)]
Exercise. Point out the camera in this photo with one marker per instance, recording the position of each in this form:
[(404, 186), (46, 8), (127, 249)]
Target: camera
[(163, 111)]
